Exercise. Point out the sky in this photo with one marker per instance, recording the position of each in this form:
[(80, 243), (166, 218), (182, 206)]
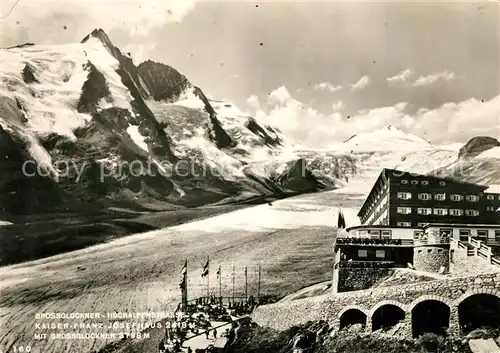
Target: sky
[(318, 71)]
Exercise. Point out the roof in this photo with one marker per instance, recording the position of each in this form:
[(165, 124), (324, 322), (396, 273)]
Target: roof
[(378, 226), (461, 225), (385, 173)]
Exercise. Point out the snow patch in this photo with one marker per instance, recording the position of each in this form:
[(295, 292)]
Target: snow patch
[(133, 131), (494, 189), (491, 153), (266, 217)]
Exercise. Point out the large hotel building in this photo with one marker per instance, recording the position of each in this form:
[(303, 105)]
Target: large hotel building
[(411, 200), (418, 221)]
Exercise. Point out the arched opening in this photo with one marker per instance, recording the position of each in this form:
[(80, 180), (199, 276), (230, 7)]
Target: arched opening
[(479, 310), (352, 317), (430, 316), (387, 316)]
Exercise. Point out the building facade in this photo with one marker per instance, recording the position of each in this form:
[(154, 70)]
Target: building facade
[(411, 200)]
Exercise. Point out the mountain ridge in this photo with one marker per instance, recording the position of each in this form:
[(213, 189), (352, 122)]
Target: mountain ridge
[(89, 105)]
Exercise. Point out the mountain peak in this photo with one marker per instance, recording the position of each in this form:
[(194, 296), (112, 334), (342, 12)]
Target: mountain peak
[(99, 34)]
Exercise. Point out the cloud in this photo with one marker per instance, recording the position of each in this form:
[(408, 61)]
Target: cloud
[(461, 121), (139, 52), (401, 77), (327, 86), (338, 106), (253, 102), (137, 17), (361, 84), (430, 79), (280, 95)]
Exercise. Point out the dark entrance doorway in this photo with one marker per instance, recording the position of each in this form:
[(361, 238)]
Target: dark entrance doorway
[(430, 316), (386, 317), (479, 310), (352, 317)]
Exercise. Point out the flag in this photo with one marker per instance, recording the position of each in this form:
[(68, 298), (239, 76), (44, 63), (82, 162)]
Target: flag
[(184, 268), (246, 270), (341, 220), (182, 285), (204, 273), (218, 273)]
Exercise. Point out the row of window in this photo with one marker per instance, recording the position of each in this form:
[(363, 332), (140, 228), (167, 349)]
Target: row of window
[(490, 208), (380, 254), (438, 197), (423, 182), (438, 211)]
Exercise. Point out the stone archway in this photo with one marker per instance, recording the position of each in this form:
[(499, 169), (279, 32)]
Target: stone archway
[(430, 316), (352, 316), (478, 308), (387, 314)]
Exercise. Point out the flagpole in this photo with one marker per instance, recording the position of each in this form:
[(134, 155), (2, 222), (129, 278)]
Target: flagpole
[(186, 285), (246, 283), (208, 278), (220, 284), (233, 284), (258, 288)]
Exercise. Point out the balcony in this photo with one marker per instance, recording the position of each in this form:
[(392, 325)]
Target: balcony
[(374, 242)]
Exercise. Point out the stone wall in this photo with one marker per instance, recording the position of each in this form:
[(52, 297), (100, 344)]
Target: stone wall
[(354, 279), (430, 258), (283, 315)]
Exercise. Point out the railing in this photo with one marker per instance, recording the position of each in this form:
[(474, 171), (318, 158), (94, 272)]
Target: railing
[(366, 264), (439, 240), (482, 250), (367, 241), (475, 243)]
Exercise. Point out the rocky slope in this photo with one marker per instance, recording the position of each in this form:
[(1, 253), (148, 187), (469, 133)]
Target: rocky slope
[(79, 115)]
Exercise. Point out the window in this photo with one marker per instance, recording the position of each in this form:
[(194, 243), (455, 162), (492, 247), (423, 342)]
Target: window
[(464, 232), (473, 213), (404, 210), (417, 234), (424, 211), (490, 208), (440, 197), (414, 182), (490, 197), (362, 253), (404, 195), (421, 224), (404, 224), (425, 182), (440, 211), (497, 234), (380, 254), (456, 212), (472, 198), (424, 196), (456, 197), (386, 234), (442, 183), (404, 181), (482, 233)]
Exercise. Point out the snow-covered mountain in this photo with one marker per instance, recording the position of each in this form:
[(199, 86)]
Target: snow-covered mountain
[(383, 140), (82, 126)]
